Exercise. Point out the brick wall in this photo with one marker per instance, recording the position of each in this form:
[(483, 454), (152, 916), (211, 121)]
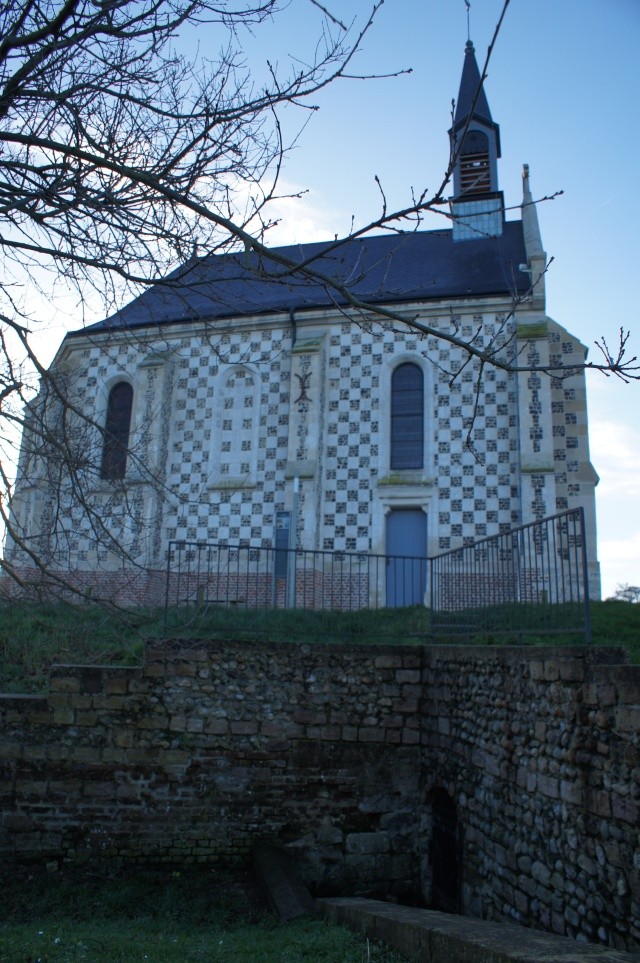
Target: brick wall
[(206, 750), (338, 753)]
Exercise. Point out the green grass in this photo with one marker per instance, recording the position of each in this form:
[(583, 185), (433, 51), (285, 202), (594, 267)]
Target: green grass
[(160, 917), (617, 623), (34, 637)]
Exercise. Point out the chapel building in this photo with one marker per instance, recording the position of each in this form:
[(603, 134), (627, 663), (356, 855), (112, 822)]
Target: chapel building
[(237, 399)]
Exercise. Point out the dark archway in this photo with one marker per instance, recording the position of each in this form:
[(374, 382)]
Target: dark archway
[(445, 853)]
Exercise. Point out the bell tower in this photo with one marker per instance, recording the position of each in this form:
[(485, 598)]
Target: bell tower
[(477, 205)]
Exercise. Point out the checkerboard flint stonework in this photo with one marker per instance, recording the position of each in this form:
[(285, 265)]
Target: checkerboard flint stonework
[(222, 422)]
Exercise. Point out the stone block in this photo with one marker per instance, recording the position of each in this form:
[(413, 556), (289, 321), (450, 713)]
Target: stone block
[(64, 684), (540, 873), (115, 685), (388, 662), (606, 695), (536, 671), (625, 809), (406, 706), (548, 786), (412, 660), (85, 754), (152, 722), (368, 843), (113, 703), (80, 702), (86, 718), (571, 670), (571, 792), (17, 822), (63, 717), (181, 667), (628, 719), (39, 717), (310, 717), (600, 803), (244, 728), (411, 691), (99, 790)]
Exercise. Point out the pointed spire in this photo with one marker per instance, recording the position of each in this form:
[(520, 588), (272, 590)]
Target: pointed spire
[(477, 203), (469, 86), (531, 227), (536, 258)]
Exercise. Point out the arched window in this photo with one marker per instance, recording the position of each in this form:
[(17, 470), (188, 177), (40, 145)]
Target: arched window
[(116, 431), (407, 417)]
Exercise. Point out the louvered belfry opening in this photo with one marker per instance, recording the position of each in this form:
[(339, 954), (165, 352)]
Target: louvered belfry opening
[(475, 170)]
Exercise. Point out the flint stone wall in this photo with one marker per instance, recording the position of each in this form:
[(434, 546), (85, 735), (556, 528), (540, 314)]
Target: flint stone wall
[(540, 750), (335, 752), (206, 750)]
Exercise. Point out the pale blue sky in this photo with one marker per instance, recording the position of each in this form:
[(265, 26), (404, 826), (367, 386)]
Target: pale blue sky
[(564, 86)]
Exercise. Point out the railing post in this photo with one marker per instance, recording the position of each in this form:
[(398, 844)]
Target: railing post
[(585, 578), (432, 604), (166, 593)]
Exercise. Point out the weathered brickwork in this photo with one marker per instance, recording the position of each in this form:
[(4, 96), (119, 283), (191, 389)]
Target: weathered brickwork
[(205, 751), (542, 756), (338, 753)]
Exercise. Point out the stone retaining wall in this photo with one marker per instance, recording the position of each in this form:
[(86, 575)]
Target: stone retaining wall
[(540, 751), (338, 753), (204, 751)]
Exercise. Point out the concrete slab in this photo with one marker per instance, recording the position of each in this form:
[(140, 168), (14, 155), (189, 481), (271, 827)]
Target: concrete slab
[(287, 895), (427, 936)]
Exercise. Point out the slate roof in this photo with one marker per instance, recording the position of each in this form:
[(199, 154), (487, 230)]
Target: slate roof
[(389, 269)]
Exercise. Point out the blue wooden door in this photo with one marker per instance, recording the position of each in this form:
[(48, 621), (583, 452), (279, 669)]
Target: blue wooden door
[(406, 557)]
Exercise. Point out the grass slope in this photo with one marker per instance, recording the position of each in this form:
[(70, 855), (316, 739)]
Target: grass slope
[(35, 637), (160, 917)]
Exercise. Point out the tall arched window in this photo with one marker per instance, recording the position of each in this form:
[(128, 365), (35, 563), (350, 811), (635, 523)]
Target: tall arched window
[(407, 417), (116, 431)]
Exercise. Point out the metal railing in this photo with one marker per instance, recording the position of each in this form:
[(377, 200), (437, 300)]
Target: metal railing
[(242, 586), (528, 581)]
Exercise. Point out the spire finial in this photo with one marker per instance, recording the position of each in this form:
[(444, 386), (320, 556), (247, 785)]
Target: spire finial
[(468, 6)]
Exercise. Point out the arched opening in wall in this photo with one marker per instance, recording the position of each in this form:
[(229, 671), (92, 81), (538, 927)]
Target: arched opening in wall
[(445, 853)]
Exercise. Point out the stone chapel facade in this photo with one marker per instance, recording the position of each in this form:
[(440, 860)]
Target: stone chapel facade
[(213, 396)]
